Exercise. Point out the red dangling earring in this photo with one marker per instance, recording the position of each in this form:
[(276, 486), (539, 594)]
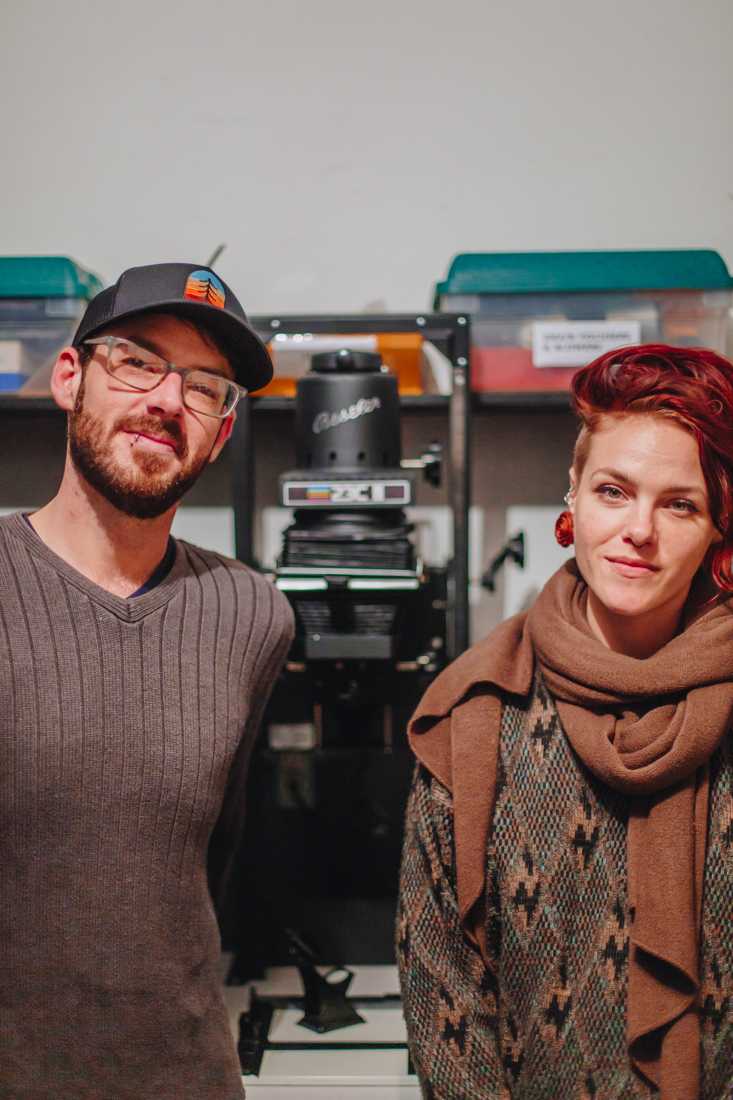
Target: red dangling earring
[(721, 568), (564, 529), (564, 532)]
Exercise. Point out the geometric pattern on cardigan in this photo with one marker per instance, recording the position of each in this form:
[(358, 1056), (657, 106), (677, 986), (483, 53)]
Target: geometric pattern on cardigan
[(549, 1021), (716, 961)]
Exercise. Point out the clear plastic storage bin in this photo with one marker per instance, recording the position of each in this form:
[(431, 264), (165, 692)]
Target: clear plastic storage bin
[(536, 317), (41, 301)]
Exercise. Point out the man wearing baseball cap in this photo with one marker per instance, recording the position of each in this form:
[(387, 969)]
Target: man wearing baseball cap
[(134, 669)]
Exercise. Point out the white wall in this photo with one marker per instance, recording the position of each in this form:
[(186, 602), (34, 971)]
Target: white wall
[(345, 151)]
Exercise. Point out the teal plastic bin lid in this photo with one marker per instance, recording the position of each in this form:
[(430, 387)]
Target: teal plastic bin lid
[(46, 277), (578, 272)]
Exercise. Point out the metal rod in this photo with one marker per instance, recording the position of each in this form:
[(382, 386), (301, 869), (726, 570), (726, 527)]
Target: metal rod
[(459, 474), (242, 466)]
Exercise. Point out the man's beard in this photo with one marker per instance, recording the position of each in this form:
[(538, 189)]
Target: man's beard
[(145, 492)]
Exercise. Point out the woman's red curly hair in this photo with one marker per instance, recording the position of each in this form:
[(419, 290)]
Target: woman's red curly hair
[(694, 387)]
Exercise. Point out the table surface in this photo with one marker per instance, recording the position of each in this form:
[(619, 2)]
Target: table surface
[(311, 1074)]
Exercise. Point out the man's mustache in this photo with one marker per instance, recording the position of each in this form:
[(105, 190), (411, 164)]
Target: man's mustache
[(169, 430)]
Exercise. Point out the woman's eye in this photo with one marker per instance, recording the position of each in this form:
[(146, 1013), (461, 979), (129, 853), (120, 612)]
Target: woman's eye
[(610, 492), (683, 506)]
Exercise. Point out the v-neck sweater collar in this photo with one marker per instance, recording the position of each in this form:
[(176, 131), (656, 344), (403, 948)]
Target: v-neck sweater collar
[(130, 608)]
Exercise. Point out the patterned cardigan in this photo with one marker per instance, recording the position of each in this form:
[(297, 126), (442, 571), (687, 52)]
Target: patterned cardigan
[(548, 1021)]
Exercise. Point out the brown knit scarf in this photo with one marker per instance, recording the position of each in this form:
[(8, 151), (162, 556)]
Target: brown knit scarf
[(647, 728)]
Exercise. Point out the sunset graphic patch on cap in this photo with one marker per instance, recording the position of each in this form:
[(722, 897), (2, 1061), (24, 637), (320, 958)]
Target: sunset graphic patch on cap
[(203, 286)]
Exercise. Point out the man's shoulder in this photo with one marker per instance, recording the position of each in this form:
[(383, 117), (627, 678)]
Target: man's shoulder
[(202, 561), (9, 520), (248, 582), (11, 526), (213, 559)]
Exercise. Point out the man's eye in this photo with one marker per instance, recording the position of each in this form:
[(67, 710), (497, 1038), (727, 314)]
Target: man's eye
[(141, 364), (204, 390)]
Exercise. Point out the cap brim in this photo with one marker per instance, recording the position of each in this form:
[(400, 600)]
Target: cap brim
[(247, 353)]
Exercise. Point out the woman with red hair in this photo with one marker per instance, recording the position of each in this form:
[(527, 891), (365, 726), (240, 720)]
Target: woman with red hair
[(566, 903)]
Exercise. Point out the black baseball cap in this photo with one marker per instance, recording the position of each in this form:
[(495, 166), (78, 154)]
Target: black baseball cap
[(190, 291)]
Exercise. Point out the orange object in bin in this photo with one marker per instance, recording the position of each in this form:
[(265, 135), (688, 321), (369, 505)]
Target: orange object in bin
[(401, 352)]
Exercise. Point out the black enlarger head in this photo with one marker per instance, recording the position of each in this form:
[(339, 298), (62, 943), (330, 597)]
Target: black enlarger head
[(347, 413)]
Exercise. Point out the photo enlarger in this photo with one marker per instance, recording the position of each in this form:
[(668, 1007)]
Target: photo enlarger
[(313, 969)]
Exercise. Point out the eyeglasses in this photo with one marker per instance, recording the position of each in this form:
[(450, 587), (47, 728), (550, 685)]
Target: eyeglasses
[(202, 390)]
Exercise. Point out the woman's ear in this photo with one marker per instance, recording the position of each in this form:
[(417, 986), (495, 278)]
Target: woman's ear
[(570, 498)]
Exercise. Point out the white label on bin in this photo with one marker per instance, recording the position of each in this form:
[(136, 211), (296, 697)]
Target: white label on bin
[(12, 357), (575, 343)]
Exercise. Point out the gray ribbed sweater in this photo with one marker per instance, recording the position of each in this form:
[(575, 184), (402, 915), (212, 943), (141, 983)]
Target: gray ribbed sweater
[(125, 728)]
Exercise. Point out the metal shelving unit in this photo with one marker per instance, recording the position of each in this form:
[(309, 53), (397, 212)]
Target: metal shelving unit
[(451, 331), (13, 404)]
